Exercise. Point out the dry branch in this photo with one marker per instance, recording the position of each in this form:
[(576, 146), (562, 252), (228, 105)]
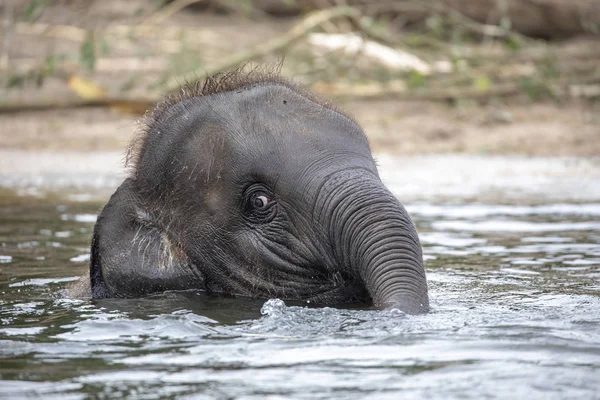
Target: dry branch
[(534, 18), (139, 104), (168, 10), (274, 45), (136, 105)]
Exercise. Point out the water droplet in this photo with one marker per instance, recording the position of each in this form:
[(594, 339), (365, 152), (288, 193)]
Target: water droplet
[(273, 306)]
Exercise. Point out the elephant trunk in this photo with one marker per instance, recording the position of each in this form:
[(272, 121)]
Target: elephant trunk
[(381, 245)]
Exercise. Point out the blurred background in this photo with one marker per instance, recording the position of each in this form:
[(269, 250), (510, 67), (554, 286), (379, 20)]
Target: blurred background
[(442, 76)]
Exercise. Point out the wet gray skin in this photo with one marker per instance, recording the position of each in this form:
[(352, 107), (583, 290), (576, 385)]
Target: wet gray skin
[(249, 186)]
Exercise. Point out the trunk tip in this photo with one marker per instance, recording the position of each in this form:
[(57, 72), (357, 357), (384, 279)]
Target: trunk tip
[(407, 306)]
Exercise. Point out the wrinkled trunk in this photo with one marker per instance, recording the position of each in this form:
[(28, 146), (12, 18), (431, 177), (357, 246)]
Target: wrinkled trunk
[(379, 242)]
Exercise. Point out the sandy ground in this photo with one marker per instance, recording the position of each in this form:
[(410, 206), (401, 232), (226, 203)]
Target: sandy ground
[(398, 127)]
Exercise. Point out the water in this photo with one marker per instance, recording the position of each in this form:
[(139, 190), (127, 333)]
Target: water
[(514, 275)]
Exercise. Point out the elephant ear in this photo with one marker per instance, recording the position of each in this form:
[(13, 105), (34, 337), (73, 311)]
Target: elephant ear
[(98, 286), (132, 256)]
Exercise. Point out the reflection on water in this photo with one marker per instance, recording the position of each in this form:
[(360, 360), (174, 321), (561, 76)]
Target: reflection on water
[(515, 292)]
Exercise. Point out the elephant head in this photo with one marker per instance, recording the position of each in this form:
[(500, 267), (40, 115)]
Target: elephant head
[(248, 185)]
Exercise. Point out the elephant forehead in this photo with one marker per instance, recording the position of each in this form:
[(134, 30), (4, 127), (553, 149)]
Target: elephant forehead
[(257, 115), (267, 131), (268, 123)]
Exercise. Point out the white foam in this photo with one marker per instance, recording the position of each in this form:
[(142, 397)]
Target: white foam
[(87, 218), (492, 178), (514, 226), (80, 258), (42, 281), (484, 210)]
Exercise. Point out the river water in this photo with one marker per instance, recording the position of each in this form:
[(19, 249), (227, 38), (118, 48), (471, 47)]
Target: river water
[(512, 249)]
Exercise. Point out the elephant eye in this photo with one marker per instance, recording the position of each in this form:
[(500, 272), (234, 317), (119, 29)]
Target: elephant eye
[(260, 202)]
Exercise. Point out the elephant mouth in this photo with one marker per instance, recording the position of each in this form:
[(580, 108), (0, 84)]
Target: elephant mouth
[(346, 291), (317, 289), (316, 284)]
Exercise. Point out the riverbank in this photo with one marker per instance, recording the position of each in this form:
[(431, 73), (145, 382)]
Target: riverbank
[(396, 127)]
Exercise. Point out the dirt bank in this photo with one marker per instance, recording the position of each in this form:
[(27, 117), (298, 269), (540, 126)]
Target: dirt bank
[(397, 127)]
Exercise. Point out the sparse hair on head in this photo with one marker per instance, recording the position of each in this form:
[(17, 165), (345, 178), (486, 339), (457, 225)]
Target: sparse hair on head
[(239, 79)]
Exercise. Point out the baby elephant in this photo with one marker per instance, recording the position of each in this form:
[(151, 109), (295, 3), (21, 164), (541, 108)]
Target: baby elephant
[(248, 185)]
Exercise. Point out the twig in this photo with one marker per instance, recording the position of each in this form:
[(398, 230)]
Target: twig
[(299, 30), (168, 10), (137, 104)]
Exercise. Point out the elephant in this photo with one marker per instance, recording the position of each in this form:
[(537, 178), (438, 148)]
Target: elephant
[(247, 184)]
